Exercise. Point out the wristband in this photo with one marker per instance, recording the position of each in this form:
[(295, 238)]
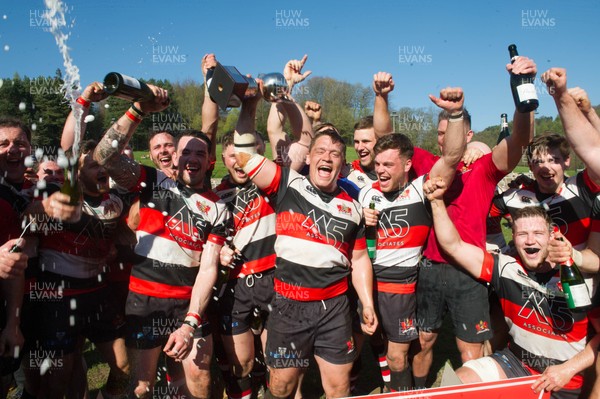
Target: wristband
[(457, 116), (190, 322), (132, 116), (245, 142), (83, 102), (195, 316), (139, 112), (577, 257)]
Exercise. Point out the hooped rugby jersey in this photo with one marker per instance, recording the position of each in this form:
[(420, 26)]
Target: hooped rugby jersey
[(175, 223), (543, 331), (253, 225), (574, 208), (79, 249), (402, 230), (358, 176), (316, 234)]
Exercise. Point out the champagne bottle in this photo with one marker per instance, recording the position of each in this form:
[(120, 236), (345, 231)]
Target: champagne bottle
[(523, 89), (371, 236), (126, 87), (574, 287), (256, 323), (504, 131), (71, 185)]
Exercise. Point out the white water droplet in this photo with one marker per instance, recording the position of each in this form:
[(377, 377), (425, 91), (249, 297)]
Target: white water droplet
[(143, 184), (28, 161), (165, 213), (22, 106), (41, 184), (89, 118), (73, 304), (151, 204), (6, 47), (114, 144), (39, 154), (62, 161), (45, 366), (106, 105), (4, 16), (33, 127), (293, 345), (71, 320)]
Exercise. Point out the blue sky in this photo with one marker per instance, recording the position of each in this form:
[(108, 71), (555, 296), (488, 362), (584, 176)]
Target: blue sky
[(451, 43)]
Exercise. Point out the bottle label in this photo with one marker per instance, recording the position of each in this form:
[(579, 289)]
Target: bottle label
[(132, 82), (577, 295), (526, 92), (371, 248)]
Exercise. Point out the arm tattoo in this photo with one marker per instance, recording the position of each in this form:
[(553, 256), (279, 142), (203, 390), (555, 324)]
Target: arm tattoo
[(120, 168)]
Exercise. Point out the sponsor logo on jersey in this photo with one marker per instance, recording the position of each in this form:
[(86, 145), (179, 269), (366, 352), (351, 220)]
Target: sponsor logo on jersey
[(344, 210), (202, 207), (311, 189)]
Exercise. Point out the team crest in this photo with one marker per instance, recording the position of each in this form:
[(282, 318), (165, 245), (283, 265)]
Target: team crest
[(343, 209), (405, 195), (202, 207), (481, 327), (350, 345), (406, 325)]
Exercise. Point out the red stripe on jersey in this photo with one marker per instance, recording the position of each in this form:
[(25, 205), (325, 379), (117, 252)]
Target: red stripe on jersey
[(272, 188), (216, 239), (404, 237), (300, 226), (527, 319), (360, 243), (487, 267), (159, 290), (298, 293), (592, 185), (153, 222), (258, 265), (495, 211), (577, 232), (396, 288)]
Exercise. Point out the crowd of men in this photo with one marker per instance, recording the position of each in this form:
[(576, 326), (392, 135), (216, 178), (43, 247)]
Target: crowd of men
[(270, 266)]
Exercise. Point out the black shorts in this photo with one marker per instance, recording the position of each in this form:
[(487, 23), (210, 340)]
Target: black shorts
[(8, 364), (396, 314), (151, 320), (241, 297), (298, 330), (66, 309), (443, 287)]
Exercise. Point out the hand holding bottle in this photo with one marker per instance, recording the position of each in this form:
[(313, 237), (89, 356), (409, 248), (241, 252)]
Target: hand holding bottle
[(159, 103)]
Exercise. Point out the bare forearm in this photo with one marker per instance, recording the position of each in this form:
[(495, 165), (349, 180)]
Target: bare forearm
[(206, 278), (68, 135), (362, 280), (382, 122), (12, 292), (210, 121), (123, 170), (582, 135)]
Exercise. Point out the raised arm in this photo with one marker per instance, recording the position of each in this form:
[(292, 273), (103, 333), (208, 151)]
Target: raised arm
[(455, 140), (210, 109), (468, 256), (93, 93), (582, 135), (508, 152), (108, 153), (383, 84), (313, 110), (260, 169)]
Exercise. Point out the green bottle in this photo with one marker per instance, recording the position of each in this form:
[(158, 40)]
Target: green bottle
[(371, 236), (574, 287), (71, 185)]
